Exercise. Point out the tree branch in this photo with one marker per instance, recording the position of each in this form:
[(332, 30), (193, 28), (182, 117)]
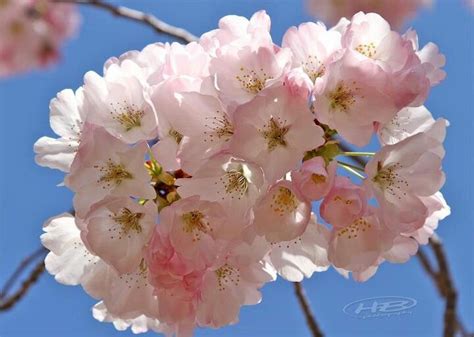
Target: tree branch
[(310, 319), (7, 302), (152, 21), (20, 269)]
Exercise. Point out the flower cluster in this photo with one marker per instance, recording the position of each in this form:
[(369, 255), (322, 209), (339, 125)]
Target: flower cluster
[(395, 12), (31, 33), (196, 167)]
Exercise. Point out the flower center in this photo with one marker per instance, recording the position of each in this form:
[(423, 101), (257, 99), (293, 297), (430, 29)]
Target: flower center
[(313, 67), (274, 134), (220, 127), (353, 230), (341, 199), (389, 180), (368, 49), (113, 173), (128, 116), (235, 181), (342, 97), (284, 201), (175, 135), (227, 275), (252, 81), (16, 28), (318, 178), (194, 223), (128, 221)]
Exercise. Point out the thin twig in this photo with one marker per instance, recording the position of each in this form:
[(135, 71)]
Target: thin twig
[(40, 252), (426, 264), (446, 288), (10, 301), (310, 319), (152, 21)]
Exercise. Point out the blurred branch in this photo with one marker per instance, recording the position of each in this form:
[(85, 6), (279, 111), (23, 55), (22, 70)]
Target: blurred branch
[(441, 276), (152, 21), (8, 301), (310, 319), (444, 283)]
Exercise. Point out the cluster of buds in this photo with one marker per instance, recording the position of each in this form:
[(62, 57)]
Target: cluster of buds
[(196, 168)]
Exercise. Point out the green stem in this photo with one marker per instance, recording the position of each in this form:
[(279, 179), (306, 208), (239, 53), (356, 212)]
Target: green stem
[(352, 169), (358, 154), (355, 167)]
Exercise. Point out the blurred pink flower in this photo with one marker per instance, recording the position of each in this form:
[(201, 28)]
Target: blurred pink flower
[(32, 33), (395, 12)]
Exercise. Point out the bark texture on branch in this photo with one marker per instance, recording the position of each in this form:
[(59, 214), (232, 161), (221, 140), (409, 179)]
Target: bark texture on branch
[(308, 313), (152, 21), (7, 301)]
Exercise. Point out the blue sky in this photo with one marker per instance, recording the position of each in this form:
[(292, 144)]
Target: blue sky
[(28, 193)]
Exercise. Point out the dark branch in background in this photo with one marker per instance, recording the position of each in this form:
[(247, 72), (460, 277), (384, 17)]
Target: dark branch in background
[(159, 26), (8, 301), (310, 319), (441, 276)]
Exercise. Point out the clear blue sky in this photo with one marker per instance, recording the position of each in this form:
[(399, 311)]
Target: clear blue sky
[(28, 193)]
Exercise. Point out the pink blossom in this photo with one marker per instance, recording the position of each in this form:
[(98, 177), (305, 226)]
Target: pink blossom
[(402, 174), (243, 72), (407, 122), (99, 171), (189, 60), (301, 257), (68, 259), (356, 246), (194, 226), (438, 209), (430, 57), (122, 104), (352, 96), (150, 60), (205, 125), (234, 183), (237, 31), (117, 230), (274, 130), (345, 203), (67, 116), (234, 280), (314, 179), (138, 324), (312, 46), (370, 36), (282, 214), (127, 295)]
